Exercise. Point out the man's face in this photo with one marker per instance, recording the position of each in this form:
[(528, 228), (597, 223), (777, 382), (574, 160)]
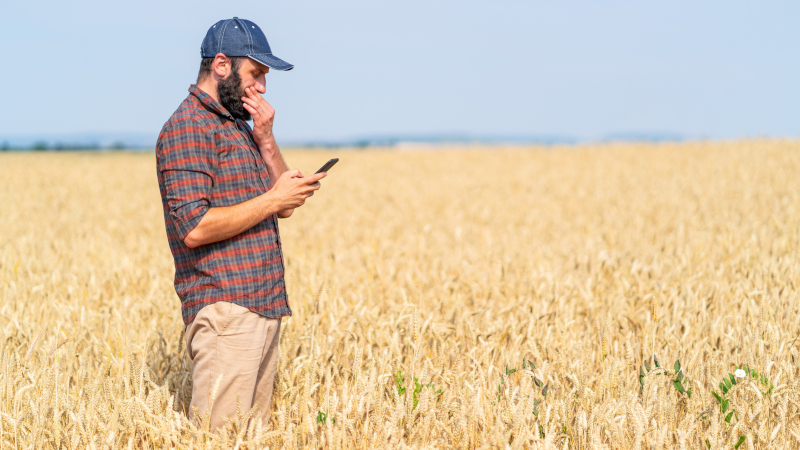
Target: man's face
[(230, 90)]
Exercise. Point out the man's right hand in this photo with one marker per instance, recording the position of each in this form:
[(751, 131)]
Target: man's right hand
[(292, 188)]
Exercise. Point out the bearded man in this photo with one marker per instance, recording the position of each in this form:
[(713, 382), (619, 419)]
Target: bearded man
[(223, 187)]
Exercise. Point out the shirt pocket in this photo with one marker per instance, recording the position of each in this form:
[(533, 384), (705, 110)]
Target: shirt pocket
[(257, 175), (233, 183)]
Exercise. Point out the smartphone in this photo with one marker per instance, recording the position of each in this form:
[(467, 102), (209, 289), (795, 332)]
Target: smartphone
[(328, 165)]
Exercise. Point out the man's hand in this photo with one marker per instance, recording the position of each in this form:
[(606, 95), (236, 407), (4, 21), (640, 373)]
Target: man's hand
[(292, 188), (263, 116)]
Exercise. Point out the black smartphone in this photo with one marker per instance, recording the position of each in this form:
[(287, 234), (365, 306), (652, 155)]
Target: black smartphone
[(328, 165)]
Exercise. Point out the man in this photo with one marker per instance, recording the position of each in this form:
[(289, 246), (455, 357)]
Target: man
[(223, 186)]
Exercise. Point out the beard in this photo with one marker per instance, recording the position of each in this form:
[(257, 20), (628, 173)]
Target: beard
[(230, 93)]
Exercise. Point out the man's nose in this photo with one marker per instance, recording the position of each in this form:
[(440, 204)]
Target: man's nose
[(260, 85)]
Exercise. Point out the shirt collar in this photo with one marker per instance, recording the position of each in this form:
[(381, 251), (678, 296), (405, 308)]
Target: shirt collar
[(208, 102)]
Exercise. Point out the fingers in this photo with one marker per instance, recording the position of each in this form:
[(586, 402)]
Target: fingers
[(293, 173), (315, 178), (252, 93), (255, 104), (312, 182), (257, 100), (252, 107), (249, 103), (308, 190), (253, 112), (254, 98), (255, 95), (308, 185)]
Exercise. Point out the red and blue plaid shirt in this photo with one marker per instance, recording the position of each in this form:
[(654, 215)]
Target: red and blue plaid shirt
[(205, 159)]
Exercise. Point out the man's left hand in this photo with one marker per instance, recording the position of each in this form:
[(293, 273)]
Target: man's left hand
[(263, 116)]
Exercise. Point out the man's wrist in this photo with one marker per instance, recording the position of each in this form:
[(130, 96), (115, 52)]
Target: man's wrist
[(267, 146), (270, 204)]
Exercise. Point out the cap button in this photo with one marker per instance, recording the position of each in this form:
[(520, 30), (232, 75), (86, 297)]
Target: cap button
[(235, 17)]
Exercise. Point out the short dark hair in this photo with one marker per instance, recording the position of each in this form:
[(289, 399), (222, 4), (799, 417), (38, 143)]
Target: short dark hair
[(206, 63)]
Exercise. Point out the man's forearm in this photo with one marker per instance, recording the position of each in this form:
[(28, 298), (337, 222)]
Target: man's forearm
[(224, 222), (273, 158), (276, 166)]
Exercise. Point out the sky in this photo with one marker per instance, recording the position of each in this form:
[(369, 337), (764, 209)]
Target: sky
[(583, 69)]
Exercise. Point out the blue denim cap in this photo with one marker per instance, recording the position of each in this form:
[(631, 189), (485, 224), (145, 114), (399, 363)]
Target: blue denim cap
[(239, 37)]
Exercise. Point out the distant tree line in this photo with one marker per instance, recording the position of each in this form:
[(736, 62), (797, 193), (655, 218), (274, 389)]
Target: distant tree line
[(60, 146)]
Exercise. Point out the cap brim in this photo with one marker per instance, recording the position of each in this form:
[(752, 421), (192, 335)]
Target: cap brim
[(271, 61)]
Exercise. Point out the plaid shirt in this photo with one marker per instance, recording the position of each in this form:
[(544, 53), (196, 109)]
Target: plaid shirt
[(206, 158)]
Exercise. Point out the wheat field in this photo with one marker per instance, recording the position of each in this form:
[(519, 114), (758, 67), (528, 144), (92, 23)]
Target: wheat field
[(442, 298)]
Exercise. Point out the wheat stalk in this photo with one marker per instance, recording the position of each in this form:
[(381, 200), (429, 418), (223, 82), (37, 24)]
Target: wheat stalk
[(528, 330)]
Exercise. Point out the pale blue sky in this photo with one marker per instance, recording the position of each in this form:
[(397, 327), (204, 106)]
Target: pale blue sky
[(588, 69)]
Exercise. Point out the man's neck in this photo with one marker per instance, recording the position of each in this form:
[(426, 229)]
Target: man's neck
[(209, 86)]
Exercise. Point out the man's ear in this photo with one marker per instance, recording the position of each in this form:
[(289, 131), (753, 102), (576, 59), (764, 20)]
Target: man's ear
[(221, 66)]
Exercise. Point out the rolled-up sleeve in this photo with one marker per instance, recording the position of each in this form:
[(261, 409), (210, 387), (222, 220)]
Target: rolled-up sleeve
[(187, 160)]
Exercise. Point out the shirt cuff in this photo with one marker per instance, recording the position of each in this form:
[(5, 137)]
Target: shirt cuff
[(188, 216)]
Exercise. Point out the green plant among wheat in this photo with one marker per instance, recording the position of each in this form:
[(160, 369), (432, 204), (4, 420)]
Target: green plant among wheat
[(676, 376)]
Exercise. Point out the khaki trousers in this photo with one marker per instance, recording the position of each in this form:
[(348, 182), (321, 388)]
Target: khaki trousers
[(229, 343)]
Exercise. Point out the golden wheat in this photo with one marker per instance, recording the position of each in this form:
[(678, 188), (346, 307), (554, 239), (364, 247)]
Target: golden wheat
[(450, 298)]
